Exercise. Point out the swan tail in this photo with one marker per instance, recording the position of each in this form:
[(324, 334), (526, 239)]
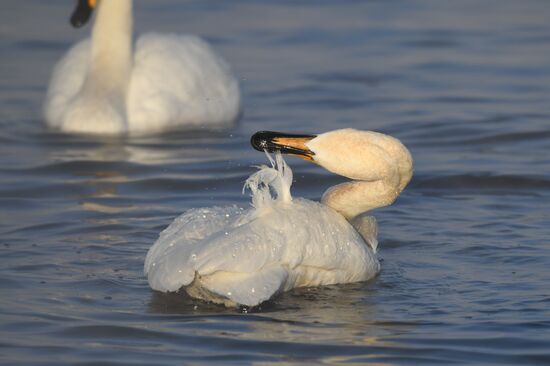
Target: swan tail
[(236, 289)]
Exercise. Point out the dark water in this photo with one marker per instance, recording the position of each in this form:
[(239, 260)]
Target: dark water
[(466, 249)]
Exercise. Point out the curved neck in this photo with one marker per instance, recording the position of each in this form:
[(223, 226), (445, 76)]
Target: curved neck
[(380, 165), (356, 197), (111, 47)]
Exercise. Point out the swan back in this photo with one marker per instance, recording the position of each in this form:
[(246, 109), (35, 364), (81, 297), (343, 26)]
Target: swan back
[(178, 80)]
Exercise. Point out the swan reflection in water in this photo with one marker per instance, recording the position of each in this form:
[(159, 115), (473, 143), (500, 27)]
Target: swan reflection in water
[(233, 256), (336, 315), (118, 178)]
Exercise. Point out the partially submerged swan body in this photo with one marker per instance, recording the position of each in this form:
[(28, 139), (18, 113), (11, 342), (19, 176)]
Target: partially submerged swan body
[(106, 85), (243, 257), (236, 256)]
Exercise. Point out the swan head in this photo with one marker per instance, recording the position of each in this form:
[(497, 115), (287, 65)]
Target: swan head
[(82, 12), (379, 165)]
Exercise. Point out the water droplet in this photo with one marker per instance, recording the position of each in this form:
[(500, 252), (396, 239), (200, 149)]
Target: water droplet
[(252, 290), (229, 293), (194, 256), (179, 270)]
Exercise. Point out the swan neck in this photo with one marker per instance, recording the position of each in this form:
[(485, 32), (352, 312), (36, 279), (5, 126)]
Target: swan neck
[(354, 198), (111, 45)]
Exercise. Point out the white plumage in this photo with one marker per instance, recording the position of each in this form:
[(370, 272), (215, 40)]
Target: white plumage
[(235, 256), (105, 85)]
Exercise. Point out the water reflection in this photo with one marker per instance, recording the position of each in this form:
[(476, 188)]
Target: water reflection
[(332, 313), (178, 147), (328, 324), (101, 167)]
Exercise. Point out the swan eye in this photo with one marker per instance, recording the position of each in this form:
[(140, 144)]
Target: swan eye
[(82, 13)]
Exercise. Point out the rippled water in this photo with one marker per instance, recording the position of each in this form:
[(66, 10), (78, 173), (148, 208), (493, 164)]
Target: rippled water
[(465, 249)]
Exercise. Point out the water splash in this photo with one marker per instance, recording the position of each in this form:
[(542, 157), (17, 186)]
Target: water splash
[(270, 185)]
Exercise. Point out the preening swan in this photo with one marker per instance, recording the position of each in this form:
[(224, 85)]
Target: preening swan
[(234, 256), (105, 85)]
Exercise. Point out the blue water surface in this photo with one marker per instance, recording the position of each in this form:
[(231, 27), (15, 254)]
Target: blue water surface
[(465, 250)]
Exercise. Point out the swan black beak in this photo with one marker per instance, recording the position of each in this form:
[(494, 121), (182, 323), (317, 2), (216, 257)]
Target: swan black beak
[(82, 13), (285, 143)]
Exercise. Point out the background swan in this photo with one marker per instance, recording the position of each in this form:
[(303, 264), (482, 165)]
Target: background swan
[(104, 86), (243, 257)]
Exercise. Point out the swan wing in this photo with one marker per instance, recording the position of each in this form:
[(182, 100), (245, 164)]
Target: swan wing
[(207, 242), (170, 262), (178, 80)]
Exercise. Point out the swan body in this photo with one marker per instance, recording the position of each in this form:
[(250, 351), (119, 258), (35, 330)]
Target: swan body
[(236, 256), (106, 85)]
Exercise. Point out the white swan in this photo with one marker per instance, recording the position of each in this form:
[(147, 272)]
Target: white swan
[(243, 257), (103, 86)]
